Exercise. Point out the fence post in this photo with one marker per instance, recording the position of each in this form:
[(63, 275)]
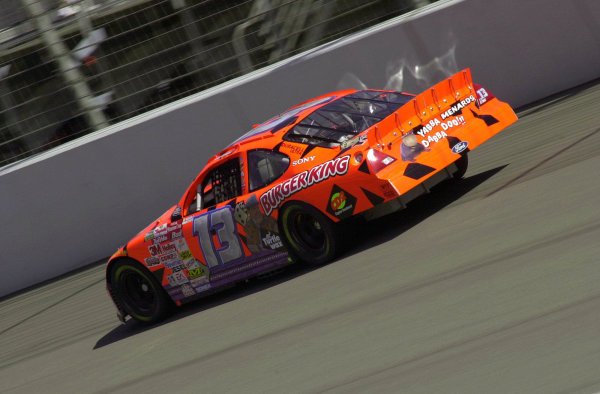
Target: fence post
[(71, 75)]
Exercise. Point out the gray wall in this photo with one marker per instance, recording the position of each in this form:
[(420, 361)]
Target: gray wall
[(76, 204)]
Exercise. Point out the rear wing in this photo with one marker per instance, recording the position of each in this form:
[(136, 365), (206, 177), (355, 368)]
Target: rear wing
[(436, 127), (444, 99)]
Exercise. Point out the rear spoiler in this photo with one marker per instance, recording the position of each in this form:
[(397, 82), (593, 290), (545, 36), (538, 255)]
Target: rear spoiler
[(445, 109), (442, 99), (434, 130)]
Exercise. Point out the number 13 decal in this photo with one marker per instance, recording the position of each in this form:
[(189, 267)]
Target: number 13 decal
[(220, 222)]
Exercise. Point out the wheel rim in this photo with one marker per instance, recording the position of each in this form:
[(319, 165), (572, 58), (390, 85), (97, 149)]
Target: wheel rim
[(308, 232), (137, 292)]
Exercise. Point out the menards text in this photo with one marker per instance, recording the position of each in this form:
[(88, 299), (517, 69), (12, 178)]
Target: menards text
[(457, 107)]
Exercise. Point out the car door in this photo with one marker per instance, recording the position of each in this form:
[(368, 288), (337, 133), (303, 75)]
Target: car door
[(226, 234)]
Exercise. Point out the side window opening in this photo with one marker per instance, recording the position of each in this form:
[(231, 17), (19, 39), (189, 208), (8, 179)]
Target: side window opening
[(265, 166), (223, 183)]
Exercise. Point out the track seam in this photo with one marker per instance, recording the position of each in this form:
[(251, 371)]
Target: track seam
[(547, 159)]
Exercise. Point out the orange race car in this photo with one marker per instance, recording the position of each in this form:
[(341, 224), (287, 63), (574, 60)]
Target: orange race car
[(278, 193)]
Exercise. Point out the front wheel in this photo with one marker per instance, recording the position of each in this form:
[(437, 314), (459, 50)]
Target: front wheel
[(138, 292), (308, 234)]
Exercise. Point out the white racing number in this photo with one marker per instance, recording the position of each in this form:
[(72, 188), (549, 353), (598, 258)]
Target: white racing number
[(219, 222)]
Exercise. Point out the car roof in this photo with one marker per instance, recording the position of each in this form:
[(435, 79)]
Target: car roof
[(298, 113)]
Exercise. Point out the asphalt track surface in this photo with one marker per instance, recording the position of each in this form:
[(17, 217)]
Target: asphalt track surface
[(490, 285)]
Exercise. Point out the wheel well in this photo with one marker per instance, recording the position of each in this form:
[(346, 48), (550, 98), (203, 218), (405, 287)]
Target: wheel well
[(111, 265), (109, 275)]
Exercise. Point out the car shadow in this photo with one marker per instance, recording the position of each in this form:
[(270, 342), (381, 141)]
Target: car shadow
[(369, 235), (376, 232)]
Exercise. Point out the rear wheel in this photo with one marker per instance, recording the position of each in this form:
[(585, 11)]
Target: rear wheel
[(308, 234), (138, 292), (462, 164)]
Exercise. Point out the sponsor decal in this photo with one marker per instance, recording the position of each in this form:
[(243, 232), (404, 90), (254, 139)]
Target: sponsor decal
[(428, 127), (429, 136), (185, 255), (179, 268), (457, 107), (460, 147), (177, 278), (450, 123), (173, 227), (181, 245), (172, 263), (341, 203), (155, 250), (152, 261), (169, 260), (165, 233), (303, 160), (433, 138), (192, 264), (183, 250), (160, 238), (272, 241), (411, 148), (255, 224), (388, 190), (196, 273), (168, 257), (168, 248), (457, 121), (187, 290), (482, 95), (169, 254), (292, 148), (435, 129), (353, 141), (176, 234), (271, 199)]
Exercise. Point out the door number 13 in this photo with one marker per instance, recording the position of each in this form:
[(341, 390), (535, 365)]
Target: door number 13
[(220, 222)]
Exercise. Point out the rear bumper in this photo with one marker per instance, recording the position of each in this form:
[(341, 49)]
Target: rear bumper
[(400, 202)]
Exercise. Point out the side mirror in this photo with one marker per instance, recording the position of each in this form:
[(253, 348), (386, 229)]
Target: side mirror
[(176, 215)]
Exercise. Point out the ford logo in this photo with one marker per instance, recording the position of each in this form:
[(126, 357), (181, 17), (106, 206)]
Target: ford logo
[(460, 147)]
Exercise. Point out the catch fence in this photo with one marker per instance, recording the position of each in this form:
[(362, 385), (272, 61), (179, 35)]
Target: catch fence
[(72, 67)]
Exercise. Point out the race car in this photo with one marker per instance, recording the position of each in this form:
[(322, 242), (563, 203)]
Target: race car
[(284, 191)]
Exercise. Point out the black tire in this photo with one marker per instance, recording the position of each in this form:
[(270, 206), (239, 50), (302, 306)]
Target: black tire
[(138, 292), (462, 164), (309, 235)]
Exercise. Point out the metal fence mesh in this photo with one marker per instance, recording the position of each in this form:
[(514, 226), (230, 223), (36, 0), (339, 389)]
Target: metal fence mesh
[(71, 67)]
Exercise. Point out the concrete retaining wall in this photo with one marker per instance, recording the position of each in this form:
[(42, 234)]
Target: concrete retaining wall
[(76, 204)]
